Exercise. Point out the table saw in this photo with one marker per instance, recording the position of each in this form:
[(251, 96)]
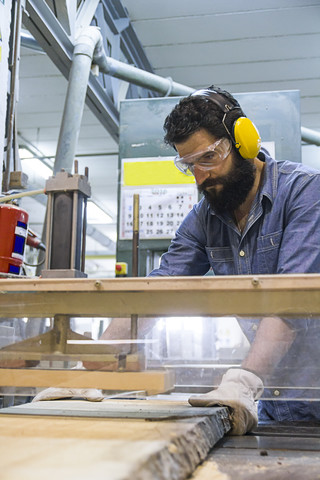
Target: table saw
[(151, 432)]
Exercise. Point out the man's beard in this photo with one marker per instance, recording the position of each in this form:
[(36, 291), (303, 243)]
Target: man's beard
[(235, 186)]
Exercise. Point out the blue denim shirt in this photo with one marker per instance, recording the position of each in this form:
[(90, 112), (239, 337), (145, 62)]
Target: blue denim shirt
[(282, 236)]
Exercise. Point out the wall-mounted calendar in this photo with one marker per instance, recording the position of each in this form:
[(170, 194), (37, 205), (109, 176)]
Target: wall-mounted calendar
[(166, 197)]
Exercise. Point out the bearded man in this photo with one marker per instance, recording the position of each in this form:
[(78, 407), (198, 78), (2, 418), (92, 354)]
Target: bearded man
[(257, 216)]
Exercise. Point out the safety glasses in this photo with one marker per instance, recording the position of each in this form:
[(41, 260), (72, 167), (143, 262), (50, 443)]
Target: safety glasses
[(207, 159)]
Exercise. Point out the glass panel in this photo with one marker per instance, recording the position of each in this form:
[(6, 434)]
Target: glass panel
[(193, 333), (198, 350)]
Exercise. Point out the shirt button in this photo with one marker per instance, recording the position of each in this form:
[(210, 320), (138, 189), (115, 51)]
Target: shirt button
[(254, 327), (241, 253)]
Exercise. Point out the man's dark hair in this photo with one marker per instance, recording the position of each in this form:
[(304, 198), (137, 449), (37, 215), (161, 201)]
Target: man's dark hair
[(195, 112)]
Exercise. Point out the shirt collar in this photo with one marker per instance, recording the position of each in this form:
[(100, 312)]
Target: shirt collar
[(270, 177)]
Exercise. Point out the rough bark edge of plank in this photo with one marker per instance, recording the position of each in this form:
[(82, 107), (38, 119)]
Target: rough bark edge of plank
[(180, 458)]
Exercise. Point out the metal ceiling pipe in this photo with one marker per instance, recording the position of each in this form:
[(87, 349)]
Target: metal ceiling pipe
[(123, 71), (165, 86), (310, 136), (142, 78), (75, 99)]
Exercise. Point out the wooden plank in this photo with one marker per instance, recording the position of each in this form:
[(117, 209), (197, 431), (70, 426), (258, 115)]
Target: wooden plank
[(167, 296), (145, 409), (34, 448), (232, 282), (152, 381)]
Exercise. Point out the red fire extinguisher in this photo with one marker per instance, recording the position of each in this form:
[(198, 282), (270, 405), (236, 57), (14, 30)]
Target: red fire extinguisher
[(13, 234)]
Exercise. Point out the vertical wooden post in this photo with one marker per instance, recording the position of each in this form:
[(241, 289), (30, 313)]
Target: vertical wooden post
[(135, 265)]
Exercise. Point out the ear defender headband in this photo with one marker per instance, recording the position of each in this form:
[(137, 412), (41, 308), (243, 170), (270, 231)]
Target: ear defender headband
[(244, 135)]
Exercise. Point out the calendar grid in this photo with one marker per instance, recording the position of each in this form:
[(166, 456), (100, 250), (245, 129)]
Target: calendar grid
[(162, 210)]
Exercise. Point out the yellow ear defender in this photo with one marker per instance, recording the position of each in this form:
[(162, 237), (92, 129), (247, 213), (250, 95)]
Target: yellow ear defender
[(244, 135)]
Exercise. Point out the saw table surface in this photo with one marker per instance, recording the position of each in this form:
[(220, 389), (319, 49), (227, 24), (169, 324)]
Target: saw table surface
[(277, 452)]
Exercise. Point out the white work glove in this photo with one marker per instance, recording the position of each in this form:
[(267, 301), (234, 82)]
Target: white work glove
[(53, 393), (238, 390), (56, 393)]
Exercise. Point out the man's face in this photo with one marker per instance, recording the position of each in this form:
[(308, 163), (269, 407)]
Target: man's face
[(226, 185)]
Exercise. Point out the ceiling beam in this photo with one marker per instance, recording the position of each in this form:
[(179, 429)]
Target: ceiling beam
[(42, 23), (44, 26)]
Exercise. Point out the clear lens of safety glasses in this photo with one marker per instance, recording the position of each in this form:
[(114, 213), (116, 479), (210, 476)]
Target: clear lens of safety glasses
[(207, 159)]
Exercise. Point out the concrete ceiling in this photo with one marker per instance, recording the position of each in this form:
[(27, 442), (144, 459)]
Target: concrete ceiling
[(241, 46)]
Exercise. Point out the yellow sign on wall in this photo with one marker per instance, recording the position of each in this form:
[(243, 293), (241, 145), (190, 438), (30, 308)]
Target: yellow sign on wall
[(166, 197), (152, 171)]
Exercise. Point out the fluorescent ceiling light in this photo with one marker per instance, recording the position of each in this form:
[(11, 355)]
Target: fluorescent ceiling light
[(25, 153), (30, 163), (36, 166), (96, 215)]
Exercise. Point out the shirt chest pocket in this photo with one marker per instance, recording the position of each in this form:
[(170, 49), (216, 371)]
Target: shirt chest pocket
[(221, 260), (268, 247)]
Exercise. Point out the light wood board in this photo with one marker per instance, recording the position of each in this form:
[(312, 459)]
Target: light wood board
[(38, 447), (239, 295), (152, 381)]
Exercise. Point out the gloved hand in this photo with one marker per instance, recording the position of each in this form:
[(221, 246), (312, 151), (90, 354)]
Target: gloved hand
[(238, 390), (52, 393)]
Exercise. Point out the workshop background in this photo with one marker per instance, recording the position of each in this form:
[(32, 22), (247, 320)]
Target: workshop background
[(264, 52), (241, 46)]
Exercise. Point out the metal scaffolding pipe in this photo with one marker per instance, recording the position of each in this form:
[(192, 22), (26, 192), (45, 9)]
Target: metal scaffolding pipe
[(89, 49)]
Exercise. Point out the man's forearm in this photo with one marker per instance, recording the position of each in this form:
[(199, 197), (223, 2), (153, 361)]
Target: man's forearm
[(273, 339), (120, 328)]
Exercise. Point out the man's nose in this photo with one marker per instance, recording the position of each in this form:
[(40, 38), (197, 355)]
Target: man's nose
[(200, 175)]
